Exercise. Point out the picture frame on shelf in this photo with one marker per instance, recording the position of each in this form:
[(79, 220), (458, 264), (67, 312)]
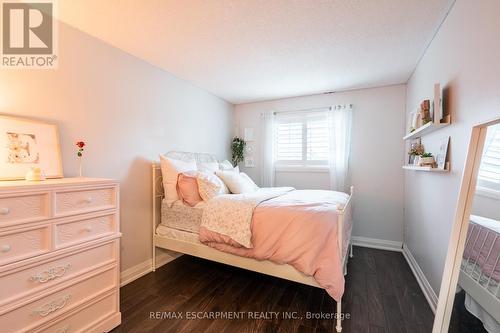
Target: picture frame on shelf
[(412, 126), (28, 143), (441, 156), (425, 112)]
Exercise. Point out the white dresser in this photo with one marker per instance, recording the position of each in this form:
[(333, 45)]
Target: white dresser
[(59, 256)]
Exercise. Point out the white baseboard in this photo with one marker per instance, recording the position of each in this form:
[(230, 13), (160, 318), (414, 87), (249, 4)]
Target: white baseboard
[(424, 284), (375, 243), (139, 270)]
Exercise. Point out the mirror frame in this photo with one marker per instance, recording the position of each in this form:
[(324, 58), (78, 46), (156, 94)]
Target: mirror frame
[(459, 230)]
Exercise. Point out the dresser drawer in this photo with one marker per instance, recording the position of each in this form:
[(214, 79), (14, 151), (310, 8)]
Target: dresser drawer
[(73, 232), (84, 201), (38, 312), (21, 244), (24, 208), (27, 281), (88, 319)]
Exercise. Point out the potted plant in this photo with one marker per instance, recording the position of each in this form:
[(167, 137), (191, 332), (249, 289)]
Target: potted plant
[(426, 159), (237, 150)]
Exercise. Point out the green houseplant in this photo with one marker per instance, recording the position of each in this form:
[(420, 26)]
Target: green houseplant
[(238, 150), (426, 159)]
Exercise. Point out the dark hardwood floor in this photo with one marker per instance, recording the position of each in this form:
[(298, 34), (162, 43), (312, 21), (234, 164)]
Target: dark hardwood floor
[(381, 295), (462, 321)]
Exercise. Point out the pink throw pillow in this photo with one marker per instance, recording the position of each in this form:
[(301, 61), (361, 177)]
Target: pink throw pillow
[(187, 185)]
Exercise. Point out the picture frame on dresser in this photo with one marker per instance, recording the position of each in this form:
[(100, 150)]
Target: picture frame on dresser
[(26, 143)]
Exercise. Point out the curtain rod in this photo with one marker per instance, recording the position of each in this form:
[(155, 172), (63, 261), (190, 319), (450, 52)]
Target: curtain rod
[(334, 107)]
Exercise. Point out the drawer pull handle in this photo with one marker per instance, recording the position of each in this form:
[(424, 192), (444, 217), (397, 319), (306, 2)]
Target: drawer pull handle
[(4, 211), (88, 200), (50, 274), (5, 248), (53, 306), (64, 329)]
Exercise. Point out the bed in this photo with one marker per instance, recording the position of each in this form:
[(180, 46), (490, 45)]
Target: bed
[(480, 271), (178, 228)]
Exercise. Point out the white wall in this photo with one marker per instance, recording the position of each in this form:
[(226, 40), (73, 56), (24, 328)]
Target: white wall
[(376, 158), (464, 57), (127, 111)]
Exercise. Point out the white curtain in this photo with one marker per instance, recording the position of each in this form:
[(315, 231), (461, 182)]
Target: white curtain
[(340, 123), (267, 149)]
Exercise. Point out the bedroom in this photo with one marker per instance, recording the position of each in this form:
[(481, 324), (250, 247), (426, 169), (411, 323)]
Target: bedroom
[(321, 92)]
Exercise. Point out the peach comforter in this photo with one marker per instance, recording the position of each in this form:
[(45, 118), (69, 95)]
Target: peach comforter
[(286, 226)]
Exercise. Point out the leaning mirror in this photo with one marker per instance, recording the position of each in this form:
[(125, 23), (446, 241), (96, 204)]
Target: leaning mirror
[(469, 299)]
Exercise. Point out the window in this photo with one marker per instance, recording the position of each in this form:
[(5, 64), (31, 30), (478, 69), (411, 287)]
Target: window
[(489, 171), (302, 139)]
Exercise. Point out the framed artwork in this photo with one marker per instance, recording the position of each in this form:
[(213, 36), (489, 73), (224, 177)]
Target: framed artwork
[(27, 143), (412, 123), (415, 120), (443, 152)]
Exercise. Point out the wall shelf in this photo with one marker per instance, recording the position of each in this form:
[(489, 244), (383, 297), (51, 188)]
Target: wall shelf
[(427, 168), (428, 128)]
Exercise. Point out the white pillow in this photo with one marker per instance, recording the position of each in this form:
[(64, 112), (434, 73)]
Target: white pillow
[(170, 169), (237, 182), (209, 185), (227, 166), (250, 181), (208, 167)]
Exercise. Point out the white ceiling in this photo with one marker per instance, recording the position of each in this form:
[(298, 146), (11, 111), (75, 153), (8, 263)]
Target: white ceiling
[(255, 50)]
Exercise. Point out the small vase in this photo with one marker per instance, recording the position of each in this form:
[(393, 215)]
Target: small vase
[(80, 167)]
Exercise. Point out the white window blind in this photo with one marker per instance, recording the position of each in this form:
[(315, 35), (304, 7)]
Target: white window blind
[(489, 171), (318, 147), (289, 141), (302, 138)]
